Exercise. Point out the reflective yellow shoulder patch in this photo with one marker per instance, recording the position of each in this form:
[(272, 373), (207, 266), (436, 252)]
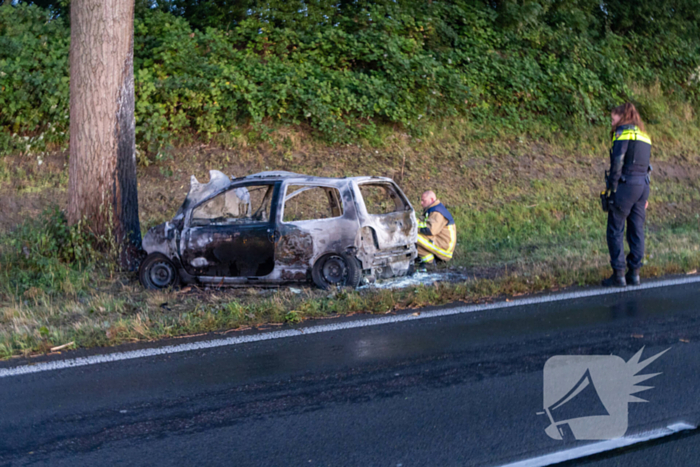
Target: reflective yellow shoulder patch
[(632, 135)]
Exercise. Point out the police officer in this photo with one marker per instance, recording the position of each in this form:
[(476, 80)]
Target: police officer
[(437, 232), (628, 191)]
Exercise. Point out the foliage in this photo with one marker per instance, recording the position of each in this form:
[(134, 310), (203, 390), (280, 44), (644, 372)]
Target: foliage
[(207, 67), (34, 80), (47, 254)]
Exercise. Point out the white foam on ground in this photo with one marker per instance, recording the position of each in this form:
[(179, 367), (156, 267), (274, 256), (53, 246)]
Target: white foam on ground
[(601, 447), (374, 321), (419, 278)]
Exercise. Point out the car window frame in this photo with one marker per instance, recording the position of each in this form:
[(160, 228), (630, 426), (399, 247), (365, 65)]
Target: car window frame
[(273, 206), (284, 198), (407, 205)]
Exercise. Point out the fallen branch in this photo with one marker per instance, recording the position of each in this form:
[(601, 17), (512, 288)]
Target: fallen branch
[(60, 347)]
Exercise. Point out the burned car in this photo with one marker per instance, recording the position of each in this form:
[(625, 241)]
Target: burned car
[(275, 228)]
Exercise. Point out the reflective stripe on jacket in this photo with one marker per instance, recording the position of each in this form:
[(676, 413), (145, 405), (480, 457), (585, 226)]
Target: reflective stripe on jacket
[(630, 154), (438, 232)]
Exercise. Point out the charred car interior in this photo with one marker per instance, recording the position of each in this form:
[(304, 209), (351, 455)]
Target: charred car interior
[(275, 228)]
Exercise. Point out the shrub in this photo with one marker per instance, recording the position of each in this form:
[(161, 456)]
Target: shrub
[(342, 68), (47, 254)]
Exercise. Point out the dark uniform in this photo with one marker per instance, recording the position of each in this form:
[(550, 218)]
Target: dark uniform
[(628, 184)]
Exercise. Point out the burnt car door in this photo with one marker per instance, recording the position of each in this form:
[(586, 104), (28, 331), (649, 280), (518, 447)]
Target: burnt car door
[(232, 234), (315, 219)]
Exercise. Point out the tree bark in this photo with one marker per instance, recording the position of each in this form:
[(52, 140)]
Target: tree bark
[(102, 167)]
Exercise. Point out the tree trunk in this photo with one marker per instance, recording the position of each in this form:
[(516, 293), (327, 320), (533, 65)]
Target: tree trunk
[(102, 168)]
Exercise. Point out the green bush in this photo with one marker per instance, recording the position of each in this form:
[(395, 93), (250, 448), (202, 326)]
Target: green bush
[(47, 254), (342, 68), (34, 82)]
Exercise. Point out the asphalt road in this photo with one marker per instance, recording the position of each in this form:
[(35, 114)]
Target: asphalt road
[(454, 390)]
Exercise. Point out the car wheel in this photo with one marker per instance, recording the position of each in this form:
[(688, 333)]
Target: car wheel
[(158, 272), (339, 270)]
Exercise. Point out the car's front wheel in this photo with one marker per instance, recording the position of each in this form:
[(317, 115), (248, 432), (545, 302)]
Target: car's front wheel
[(158, 272), (337, 270)]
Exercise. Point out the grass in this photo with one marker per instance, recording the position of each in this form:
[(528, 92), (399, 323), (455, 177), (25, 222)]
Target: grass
[(526, 207), (124, 312)]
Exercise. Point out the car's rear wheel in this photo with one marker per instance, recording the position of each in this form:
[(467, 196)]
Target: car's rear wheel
[(158, 272), (339, 270)]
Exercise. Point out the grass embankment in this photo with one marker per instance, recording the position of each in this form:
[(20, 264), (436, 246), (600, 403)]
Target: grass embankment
[(527, 215)]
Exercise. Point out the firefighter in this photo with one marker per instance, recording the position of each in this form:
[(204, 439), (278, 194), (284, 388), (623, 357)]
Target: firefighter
[(437, 233), (628, 191)]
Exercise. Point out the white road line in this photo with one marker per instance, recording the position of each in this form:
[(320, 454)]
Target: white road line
[(143, 353), (603, 446)]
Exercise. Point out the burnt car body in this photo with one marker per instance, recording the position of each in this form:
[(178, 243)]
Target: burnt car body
[(275, 228)]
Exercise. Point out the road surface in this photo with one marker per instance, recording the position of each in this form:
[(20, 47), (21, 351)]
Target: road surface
[(461, 389)]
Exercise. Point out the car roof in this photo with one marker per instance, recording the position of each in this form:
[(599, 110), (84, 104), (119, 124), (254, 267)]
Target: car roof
[(279, 175)]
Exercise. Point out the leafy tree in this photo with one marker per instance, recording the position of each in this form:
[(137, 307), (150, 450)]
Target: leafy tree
[(342, 67)]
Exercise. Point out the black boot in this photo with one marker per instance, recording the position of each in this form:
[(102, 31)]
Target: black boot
[(616, 280), (632, 277)]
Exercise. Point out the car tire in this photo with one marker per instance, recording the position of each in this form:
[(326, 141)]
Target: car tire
[(158, 272), (340, 270)]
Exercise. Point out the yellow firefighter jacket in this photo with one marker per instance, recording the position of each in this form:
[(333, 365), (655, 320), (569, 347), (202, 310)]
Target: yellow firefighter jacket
[(437, 233)]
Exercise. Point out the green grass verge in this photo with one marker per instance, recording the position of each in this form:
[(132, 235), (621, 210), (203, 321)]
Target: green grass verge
[(123, 313)]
